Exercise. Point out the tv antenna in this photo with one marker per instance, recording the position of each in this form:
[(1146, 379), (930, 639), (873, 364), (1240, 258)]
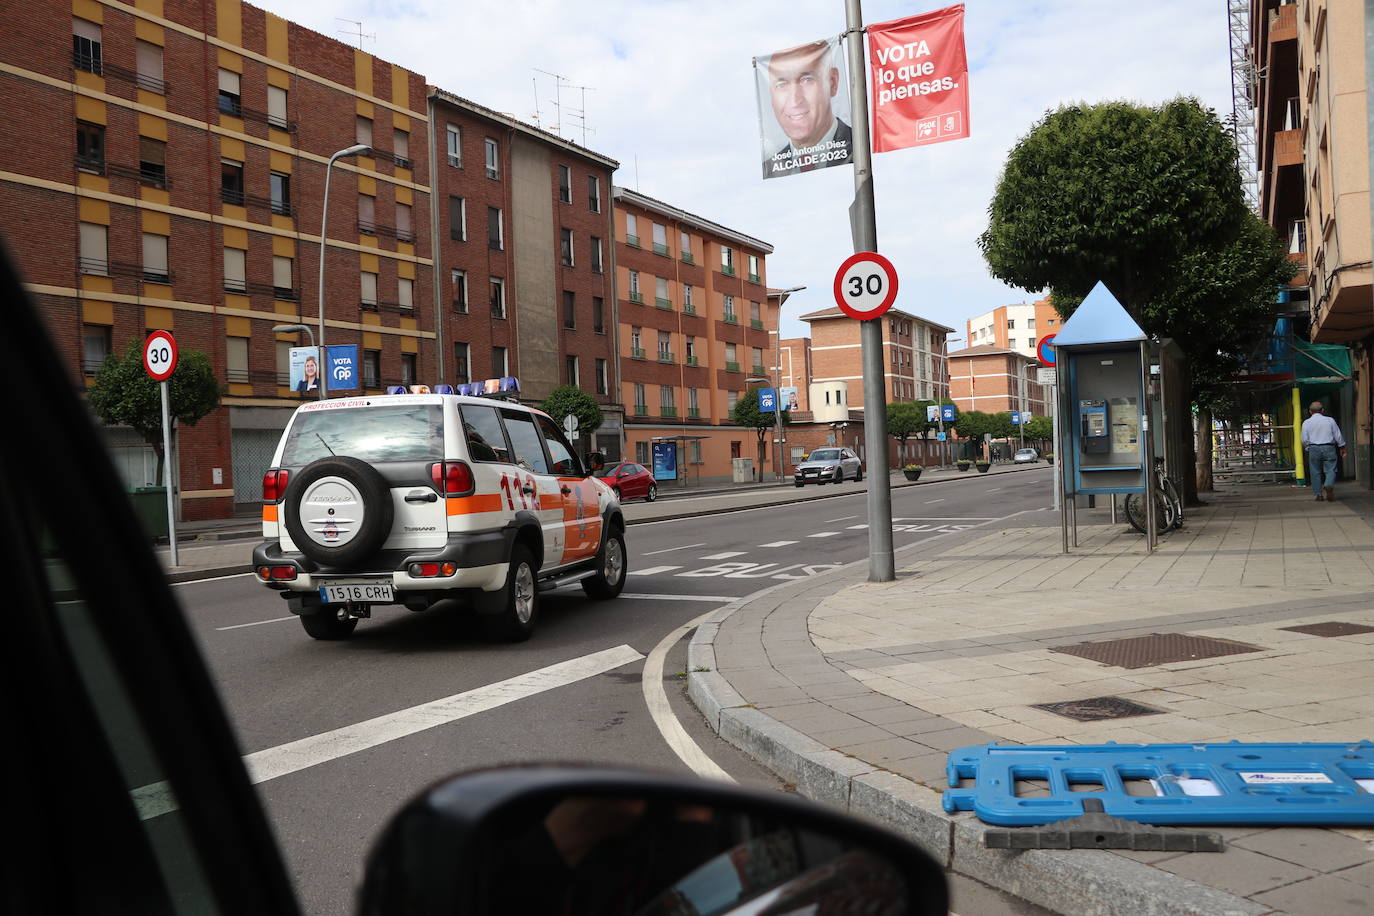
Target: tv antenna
[(580, 114), (359, 35)]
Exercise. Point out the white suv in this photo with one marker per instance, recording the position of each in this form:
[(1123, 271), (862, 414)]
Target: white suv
[(413, 498)]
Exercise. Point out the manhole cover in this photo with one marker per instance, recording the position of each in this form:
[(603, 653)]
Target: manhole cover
[(1331, 628), (1098, 708), (1155, 649)]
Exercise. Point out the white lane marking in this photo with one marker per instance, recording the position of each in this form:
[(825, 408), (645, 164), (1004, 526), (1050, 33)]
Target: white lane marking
[(723, 556), (940, 500), (823, 534), (856, 528), (340, 742), (992, 489), (256, 623), (656, 698), (671, 549), (651, 570), (211, 579), (842, 518), (780, 543), (719, 598)]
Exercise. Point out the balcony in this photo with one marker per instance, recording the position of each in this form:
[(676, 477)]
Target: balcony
[(156, 178), (1283, 23), (665, 356), (756, 324), (660, 302), (636, 296), (632, 241), (637, 353), (401, 162), (687, 258), (758, 370), (755, 278), (694, 413), (1288, 147), (667, 411), (727, 269), (731, 367), (641, 410), (731, 318), (693, 361), (661, 249), (689, 309), (367, 227)]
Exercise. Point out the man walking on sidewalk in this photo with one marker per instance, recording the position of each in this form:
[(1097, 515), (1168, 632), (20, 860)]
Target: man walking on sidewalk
[(1322, 437)]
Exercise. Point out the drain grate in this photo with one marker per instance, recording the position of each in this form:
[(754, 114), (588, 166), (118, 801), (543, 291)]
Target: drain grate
[(1331, 628), (1098, 708), (1155, 649)]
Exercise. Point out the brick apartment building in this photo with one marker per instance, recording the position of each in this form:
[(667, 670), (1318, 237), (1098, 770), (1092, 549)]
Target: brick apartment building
[(1016, 327), (993, 379), (913, 357), (172, 174), (694, 322)]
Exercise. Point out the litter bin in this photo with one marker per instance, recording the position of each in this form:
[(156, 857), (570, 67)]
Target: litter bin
[(150, 505), (742, 470)]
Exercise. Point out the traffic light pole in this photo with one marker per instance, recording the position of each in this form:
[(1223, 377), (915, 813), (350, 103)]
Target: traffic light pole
[(881, 564)]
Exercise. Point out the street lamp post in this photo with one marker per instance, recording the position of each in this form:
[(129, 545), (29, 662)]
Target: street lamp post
[(777, 424), (324, 247), (939, 404), (293, 328)]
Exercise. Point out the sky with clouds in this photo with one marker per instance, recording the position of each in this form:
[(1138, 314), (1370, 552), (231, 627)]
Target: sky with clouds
[(672, 98)]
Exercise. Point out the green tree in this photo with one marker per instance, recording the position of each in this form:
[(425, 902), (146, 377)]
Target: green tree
[(1148, 201), (1041, 429), (904, 420), (122, 394), (746, 413), (569, 399), (972, 425)]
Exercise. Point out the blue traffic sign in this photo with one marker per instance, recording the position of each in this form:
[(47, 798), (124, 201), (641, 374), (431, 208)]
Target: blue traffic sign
[(1044, 351), (940, 436), (768, 400)]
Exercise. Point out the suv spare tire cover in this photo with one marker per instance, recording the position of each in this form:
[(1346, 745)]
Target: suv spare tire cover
[(338, 510)]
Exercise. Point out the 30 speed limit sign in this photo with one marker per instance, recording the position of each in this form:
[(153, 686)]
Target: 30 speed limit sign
[(865, 285), (160, 355)]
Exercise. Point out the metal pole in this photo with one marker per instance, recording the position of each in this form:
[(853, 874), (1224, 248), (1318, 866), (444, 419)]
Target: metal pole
[(881, 565), (324, 248), (1061, 440), (167, 471), (1152, 531), (777, 432)]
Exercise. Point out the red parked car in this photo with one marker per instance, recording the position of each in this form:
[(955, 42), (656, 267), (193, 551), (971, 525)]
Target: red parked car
[(630, 481)]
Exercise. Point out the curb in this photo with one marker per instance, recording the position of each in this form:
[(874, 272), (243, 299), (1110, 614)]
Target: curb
[(195, 575), (1076, 882)]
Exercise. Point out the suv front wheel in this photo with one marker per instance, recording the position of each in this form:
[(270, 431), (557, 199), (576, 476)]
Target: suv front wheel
[(516, 606), (610, 569)]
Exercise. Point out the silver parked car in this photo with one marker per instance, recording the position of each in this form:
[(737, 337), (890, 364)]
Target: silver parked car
[(1026, 456), (828, 465)]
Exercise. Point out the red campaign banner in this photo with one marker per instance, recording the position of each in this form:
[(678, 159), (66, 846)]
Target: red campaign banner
[(919, 76)]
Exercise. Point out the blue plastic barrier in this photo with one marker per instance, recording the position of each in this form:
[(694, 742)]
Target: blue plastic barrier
[(1232, 783)]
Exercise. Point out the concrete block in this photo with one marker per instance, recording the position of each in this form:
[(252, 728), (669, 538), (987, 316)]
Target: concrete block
[(818, 773), (711, 693), (898, 804)]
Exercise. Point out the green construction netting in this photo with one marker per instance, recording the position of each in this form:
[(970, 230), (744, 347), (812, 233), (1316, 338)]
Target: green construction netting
[(1320, 367)]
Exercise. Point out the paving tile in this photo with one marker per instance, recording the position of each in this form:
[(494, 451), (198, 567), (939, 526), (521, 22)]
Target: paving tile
[(1317, 849), (927, 769), (1239, 871), (1326, 895), (883, 750), (951, 738), (839, 737)]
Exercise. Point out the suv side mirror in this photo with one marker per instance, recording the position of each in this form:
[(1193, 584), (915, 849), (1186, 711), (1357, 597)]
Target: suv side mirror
[(549, 838), (595, 462)]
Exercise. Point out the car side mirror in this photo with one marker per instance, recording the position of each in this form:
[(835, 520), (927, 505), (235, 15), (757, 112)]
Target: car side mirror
[(595, 462), (548, 838)]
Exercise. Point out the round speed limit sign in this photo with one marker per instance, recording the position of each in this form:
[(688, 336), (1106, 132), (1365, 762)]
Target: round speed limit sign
[(865, 285), (160, 355)]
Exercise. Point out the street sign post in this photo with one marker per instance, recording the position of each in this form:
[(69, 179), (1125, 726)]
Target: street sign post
[(160, 361), (865, 285), (570, 427)]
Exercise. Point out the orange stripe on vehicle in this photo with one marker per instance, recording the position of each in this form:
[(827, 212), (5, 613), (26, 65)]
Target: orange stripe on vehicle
[(269, 513), (550, 502), (479, 502)]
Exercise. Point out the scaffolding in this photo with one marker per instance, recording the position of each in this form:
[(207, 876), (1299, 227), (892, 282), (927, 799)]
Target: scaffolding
[(1243, 98)]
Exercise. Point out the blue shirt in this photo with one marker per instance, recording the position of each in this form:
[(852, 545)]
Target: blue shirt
[(1319, 429)]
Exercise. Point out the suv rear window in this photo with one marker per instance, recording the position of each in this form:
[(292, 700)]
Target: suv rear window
[(372, 434)]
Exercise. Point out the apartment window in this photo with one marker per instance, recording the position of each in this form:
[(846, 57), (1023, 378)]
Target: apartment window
[(152, 162), (499, 366), (691, 351), (461, 375), (757, 364), (455, 146), (148, 58), (498, 297), (660, 239), (460, 290), (231, 182), (236, 352), (687, 304), (754, 268), (594, 193), (95, 347), (367, 213), (598, 315), (86, 46), (495, 230), (635, 294), (95, 257), (229, 93), (235, 270), (372, 368), (686, 246), (1297, 236), (458, 219), (363, 132), (155, 258), (666, 401), (283, 278), (493, 150), (1011, 324), (569, 309), (408, 373), (731, 399), (281, 193), (1030, 324), (90, 147), (1292, 114), (602, 386), (696, 450), (596, 255), (731, 358), (400, 148), (636, 343), (755, 314), (665, 346), (276, 108), (404, 231), (565, 184), (642, 450), (566, 244), (641, 403), (661, 297), (727, 260), (405, 292), (570, 369), (730, 308), (368, 289), (631, 230), (693, 401)]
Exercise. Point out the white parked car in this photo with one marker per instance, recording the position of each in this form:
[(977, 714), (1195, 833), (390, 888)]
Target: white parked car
[(1026, 456)]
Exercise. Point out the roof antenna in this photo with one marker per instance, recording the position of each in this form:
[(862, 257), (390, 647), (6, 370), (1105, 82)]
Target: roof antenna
[(360, 34)]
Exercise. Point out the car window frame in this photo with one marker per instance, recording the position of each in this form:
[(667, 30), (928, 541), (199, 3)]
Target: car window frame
[(545, 425), (509, 414), (467, 445)]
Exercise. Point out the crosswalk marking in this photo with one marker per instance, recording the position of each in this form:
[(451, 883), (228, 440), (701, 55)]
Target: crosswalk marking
[(778, 544), (651, 570), (723, 556), (823, 534)]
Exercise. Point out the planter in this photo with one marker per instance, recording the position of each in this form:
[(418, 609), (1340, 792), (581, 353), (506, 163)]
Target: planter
[(912, 473), (1050, 458), (963, 465), (984, 467)]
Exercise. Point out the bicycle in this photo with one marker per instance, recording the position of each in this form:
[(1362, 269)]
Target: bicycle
[(1168, 504)]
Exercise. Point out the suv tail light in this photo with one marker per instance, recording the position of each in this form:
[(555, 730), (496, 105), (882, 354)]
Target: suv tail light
[(452, 478), (274, 485)]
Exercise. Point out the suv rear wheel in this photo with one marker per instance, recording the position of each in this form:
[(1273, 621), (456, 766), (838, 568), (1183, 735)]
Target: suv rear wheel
[(325, 624), (517, 605)]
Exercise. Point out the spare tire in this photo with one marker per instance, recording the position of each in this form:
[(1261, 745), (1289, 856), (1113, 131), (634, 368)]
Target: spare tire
[(338, 511)]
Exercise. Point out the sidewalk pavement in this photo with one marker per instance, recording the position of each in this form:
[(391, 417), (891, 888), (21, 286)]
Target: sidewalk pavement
[(223, 547), (856, 692)]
